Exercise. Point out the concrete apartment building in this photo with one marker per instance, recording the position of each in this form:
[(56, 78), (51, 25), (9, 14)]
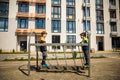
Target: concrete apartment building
[(63, 20)]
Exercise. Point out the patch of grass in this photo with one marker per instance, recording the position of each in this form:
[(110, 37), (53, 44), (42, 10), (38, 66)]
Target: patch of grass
[(33, 59), (63, 52), (13, 52), (98, 57)]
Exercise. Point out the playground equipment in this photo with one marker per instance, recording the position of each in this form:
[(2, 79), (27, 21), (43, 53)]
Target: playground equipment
[(64, 48)]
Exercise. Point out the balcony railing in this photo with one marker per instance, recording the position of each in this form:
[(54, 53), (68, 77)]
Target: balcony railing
[(20, 31), (40, 15), (23, 0), (86, 4), (112, 7), (114, 33), (30, 15), (22, 14), (39, 1), (113, 20), (86, 18), (33, 1)]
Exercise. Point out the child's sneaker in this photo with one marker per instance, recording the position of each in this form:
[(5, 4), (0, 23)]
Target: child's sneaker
[(45, 65), (86, 66)]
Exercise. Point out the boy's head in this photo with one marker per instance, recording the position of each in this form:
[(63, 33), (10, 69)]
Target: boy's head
[(44, 34), (82, 35)]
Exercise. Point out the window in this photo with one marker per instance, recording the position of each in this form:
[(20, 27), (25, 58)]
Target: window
[(71, 13), (71, 2), (40, 23), (56, 26), (85, 28), (23, 7), (56, 39), (99, 15), (86, 12), (71, 27), (86, 1), (112, 2), (40, 9), (115, 42), (113, 26), (3, 24), (71, 39), (4, 8), (112, 13), (22, 23), (100, 28), (56, 10), (56, 1), (99, 3)]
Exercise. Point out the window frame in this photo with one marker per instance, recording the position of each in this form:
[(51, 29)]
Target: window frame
[(23, 7), (56, 26), (56, 41), (70, 11), (100, 29), (40, 9), (71, 29), (56, 11), (4, 24), (38, 22), (25, 23)]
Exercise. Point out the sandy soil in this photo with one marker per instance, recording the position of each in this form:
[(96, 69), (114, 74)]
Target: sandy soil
[(101, 69)]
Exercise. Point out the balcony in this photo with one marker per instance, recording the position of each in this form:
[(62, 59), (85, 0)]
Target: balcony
[(40, 16), (39, 1), (112, 7), (30, 15), (23, 0), (114, 33), (23, 14), (86, 4), (113, 20), (20, 31), (86, 18)]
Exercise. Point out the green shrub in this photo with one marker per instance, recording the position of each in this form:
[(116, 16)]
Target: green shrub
[(13, 51), (74, 54), (0, 50)]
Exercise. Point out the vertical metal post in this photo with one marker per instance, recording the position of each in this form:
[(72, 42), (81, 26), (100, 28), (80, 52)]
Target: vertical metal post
[(56, 55), (74, 56), (81, 57), (29, 55), (85, 15), (37, 53), (89, 69), (65, 55)]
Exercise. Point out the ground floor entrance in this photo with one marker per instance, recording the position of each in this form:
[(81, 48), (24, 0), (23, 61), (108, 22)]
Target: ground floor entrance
[(100, 43), (22, 43)]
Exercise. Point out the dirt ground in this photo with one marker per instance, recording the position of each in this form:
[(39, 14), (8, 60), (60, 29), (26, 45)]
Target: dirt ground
[(101, 69)]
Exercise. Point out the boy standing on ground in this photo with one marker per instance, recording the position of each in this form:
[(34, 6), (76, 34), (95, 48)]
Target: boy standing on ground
[(43, 49), (85, 48)]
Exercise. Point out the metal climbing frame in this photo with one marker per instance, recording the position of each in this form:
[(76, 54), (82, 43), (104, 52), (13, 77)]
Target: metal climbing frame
[(63, 45)]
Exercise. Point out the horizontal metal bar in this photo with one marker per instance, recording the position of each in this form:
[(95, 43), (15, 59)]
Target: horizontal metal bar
[(57, 44)]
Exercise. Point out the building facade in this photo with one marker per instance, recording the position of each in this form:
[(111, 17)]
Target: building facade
[(63, 20)]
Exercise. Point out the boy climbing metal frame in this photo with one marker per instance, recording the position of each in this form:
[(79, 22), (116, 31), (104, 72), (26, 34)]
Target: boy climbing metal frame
[(63, 45)]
